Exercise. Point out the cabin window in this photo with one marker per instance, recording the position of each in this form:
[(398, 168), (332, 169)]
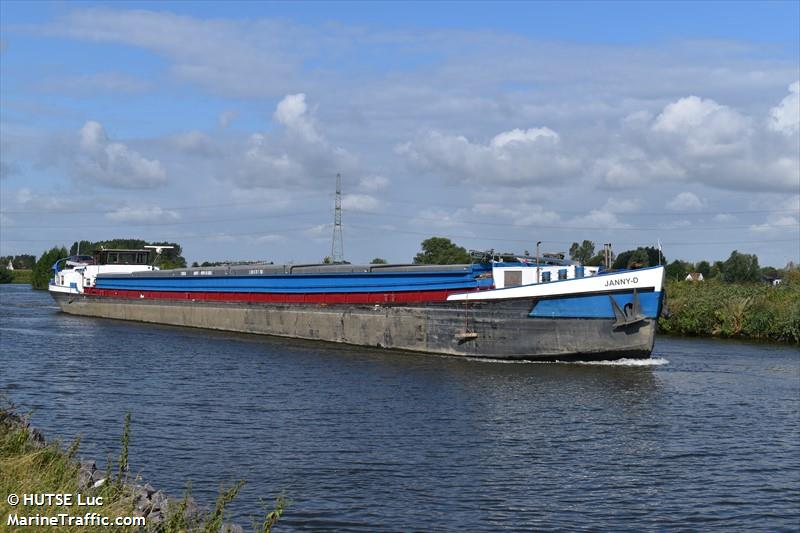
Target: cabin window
[(111, 259), (141, 259), (512, 278), (127, 258)]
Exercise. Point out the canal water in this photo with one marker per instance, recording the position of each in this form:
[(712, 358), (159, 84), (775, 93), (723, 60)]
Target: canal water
[(705, 436)]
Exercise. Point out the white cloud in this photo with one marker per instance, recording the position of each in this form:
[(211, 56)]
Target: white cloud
[(112, 163), (785, 117), (298, 156), (533, 215), (53, 201), (292, 112), (622, 205), (319, 231), (248, 59), (516, 157), (195, 143), (150, 214), (685, 201), (437, 219), (373, 183), (703, 127), (699, 141), (635, 167), (360, 202), (783, 218), (598, 218), (522, 136)]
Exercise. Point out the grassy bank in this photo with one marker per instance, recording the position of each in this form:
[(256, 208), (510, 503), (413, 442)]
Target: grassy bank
[(28, 465), (21, 276), (748, 311)]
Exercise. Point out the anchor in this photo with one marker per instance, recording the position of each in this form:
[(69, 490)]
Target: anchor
[(630, 314)]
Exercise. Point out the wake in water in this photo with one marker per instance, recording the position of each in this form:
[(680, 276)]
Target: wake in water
[(654, 361)]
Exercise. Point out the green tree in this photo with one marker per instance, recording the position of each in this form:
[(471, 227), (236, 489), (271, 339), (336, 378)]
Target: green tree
[(42, 270), (645, 256), (677, 269), (19, 262), (441, 251), (170, 258), (597, 260), (741, 267), (716, 270), (378, 261), (5, 275), (582, 253), (704, 267)]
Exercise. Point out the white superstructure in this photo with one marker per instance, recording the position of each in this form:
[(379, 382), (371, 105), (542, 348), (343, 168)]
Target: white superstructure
[(72, 275)]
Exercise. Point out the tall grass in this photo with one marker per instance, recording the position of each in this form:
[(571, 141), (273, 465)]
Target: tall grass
[(28, 467), (752, 311)]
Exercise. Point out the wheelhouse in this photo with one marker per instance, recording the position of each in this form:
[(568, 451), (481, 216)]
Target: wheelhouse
[(122, 257)]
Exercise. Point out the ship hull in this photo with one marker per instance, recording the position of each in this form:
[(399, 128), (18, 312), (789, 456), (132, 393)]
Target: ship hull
[(499, 329)]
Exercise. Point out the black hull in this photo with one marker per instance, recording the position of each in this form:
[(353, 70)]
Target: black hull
[(499, 329)]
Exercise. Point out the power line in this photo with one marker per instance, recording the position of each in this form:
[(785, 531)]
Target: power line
[(90, 211), (504, 239), (570, 227), (480, 222), (176, 223)]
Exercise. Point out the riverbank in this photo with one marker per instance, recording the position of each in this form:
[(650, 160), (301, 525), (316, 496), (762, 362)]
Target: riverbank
[(29, 465), (747, 311)]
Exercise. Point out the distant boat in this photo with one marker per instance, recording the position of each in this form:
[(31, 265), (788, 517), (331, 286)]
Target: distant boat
[(513, 307)]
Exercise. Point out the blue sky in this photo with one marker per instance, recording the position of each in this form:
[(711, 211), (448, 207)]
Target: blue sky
[(223, 125)]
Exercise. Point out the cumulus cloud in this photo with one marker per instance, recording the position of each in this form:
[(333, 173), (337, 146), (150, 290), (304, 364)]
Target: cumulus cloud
[(195, 143), (515, 157), (622, 205), (293, 113), (295, 157), (113, 163), (784, 217), (151, 214), (634, 166), (360, 202), (701, 141), (222, 55), (319, 231), (685, 201), (785, 117), (598, 218), (703, 128), (373, 183)]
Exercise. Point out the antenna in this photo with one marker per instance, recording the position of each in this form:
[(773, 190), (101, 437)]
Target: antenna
[(337, 245), (159, 249)]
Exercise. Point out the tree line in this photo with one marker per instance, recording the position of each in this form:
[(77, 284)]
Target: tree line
[(739, 267), (41, 269)]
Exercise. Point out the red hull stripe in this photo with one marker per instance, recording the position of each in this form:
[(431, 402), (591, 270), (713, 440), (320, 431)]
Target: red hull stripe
[(315, 298)]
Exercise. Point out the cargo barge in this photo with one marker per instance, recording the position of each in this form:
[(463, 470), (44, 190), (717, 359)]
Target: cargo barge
[(499, 308)]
